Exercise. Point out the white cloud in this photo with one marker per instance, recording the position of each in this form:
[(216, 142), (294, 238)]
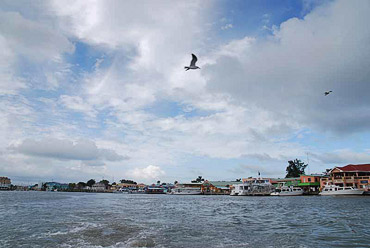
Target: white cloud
[(76, 103), (250, 98), (287, 73), (34, 40), (253, 169), (149, 172), (342, 157), (227, 26), (32, 43), (66, 150)]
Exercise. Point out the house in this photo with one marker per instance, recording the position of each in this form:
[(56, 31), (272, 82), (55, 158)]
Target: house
[(126, 185), (310, 183), (5, 183), (141, 186), (55, 186), (357, 176), (218, 187), (33, 187), (99, 187)]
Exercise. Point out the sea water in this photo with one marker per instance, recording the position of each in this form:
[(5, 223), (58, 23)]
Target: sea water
[(57, 219)]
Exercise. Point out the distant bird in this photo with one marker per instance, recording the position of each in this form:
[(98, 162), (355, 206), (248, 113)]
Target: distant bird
[(192, 63), (328, 92)]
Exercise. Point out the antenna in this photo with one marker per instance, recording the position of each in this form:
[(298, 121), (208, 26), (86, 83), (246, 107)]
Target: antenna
[(308, 164)]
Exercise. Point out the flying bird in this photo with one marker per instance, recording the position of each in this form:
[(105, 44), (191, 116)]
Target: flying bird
[(192, 63), (328, 92)]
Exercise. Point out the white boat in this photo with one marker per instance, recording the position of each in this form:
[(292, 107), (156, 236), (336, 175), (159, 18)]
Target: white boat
[(252, 187), (237, 189), (187, 189), (338, 190), (121, 190), (136, 191), (290, 191)]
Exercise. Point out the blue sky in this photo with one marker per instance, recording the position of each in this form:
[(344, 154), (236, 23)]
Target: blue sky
[(93, 90)]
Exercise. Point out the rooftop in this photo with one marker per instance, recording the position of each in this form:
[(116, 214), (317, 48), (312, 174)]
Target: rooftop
[(224, 183), (355, 167)]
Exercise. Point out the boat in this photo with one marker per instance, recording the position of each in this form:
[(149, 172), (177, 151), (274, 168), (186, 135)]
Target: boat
[(187, 189), (275, 193), (338, 190), (252, 187), (136, 191), (288, 191), (155, 190), (237, 189), (121, 190)]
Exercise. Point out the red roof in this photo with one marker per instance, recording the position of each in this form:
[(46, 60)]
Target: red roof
[(355, 167)]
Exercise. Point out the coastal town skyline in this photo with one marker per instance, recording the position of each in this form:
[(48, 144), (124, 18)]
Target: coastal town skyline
[(96, 89)]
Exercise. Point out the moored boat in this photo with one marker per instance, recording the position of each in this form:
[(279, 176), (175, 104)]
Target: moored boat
[(136, 191), (253, 187), (290, 191), (338, 190), (237, 189), (187, 189), (155, 190)]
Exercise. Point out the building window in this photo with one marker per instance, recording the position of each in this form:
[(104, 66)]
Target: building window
[(309, 179)]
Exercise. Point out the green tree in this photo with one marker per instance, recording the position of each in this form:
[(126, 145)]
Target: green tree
[(106, 183), (127, 181), (43, 187), (90, 183), (295, 168), (71, 186), (81, 185)]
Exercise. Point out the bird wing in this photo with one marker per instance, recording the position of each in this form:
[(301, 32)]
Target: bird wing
[(194, 60)]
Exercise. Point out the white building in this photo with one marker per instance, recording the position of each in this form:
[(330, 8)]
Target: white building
[(5, 183), (98, 187)]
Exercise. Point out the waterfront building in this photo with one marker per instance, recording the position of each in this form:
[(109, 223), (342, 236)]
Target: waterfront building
[(114, 187), (141, 186), (357, 176), (55, 186), (33, 187), (193, 188), (20, 187), (153, 189), (218, 187), (5, 183), (39, 186), (126, 186), (98, 187), (310, 183), (279, 182)]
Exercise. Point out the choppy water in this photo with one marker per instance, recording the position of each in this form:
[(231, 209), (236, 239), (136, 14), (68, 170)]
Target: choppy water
[(55, 219)]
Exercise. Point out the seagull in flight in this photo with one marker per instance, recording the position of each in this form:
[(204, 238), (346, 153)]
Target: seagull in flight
[(192, 63), (328, 92)]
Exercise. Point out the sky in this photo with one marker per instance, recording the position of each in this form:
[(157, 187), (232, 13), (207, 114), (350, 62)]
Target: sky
[(97, 89)]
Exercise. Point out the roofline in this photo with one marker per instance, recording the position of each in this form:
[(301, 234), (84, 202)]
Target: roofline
[(340, 168)]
